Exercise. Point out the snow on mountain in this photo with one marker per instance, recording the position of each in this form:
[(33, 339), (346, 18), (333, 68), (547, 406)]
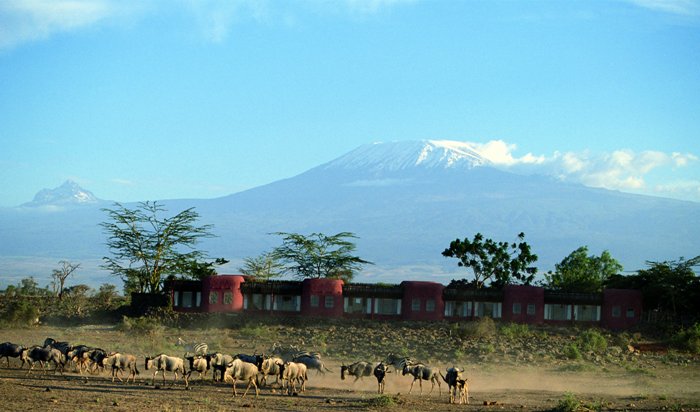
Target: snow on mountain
[(398, 156), (68, 194)]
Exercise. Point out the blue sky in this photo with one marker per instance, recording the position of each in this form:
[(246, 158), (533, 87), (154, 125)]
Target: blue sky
[(152, 100)]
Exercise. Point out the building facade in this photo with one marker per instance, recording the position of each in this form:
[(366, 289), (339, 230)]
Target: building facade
[(409, 300)]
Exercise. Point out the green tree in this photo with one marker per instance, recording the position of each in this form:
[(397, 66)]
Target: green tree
[(580, 272), (670, 287), (60, 275), (105, 296), (319, 256), (147, 247), (200, 270), (263, 267), (501, 262)]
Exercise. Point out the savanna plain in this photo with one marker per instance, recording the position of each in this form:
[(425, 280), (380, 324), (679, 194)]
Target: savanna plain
[(510, 367)]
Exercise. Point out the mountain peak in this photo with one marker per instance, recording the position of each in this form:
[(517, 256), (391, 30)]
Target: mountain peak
[(403, 155), (69, 193)]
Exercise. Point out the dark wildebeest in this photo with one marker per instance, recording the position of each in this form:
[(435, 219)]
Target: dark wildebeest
[(43, 355), (422, 373), (358, 370), (452, 378), (380, 372), (11, 350)]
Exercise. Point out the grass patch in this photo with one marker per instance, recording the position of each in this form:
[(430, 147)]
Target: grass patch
[(592, 340), (569, 403), (572, 352), (382, 401), (515, 330)]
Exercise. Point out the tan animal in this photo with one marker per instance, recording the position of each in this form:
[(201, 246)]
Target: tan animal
[(244, 371), (166, 363), (119, 362), (293, 373)]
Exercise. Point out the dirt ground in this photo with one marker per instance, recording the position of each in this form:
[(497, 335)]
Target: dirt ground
[(493, 387)]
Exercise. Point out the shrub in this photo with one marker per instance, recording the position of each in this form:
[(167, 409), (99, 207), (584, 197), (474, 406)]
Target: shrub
[(688, 339), (21, 312), (592, 340), (482, 328), (568, 404), (571, 351), (515, 330)]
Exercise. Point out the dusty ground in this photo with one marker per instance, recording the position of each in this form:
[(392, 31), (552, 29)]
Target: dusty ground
[(496, 384)]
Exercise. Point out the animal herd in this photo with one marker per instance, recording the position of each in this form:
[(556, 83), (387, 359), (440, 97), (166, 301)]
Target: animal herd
[(289, 366)]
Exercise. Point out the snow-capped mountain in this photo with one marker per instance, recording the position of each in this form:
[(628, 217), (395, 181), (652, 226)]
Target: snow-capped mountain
[(406, 202), (397, 156), (68, 194)]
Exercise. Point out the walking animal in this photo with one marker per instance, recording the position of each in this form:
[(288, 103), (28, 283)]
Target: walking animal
[(219, 362), (118, 363), (270, 367), (397, 362), (312, 363), (293, 373), (166, 363), (43, 355), (380, 372), (358, 370), (11, 350), (199, 364), (244, 371), (422, 373)]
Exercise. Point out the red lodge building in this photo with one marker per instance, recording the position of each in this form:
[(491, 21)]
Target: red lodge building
[(409, 300)]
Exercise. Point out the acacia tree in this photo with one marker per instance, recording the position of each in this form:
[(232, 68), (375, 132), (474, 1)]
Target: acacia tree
[(263, 267), (500, 262), (147, 247), (580, 272), (319, 256), (60, 275)]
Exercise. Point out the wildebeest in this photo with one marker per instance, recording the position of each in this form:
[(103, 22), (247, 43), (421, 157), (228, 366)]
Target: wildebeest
[(312, 362), (240, 370), (463, 390), (380, 372), (198, 364), (219, 362), (270, 367), (358, 370), (422, 373), (255, 359), (43, 355), (119, 362), (293, 372), (11, 350), (452, 378), (165, 363)]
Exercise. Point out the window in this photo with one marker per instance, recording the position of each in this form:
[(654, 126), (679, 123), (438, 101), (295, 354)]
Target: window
[(531, 309), (516, 308), (287, 303), (557, 312), (385, 306), (198, 299), (430, 305), (488, 309), (314, 301), (329, 302), (176, 298), (415, 305), (458, 309), (587, 313), (186, 299), (357, 305), (228, 297), (616, 311), (630, 313), (213, 298)]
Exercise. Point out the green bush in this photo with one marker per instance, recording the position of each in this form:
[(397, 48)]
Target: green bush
[(592, 340), (515, 330), (688, 339), (572, 352), (20, 312), (481, 328), (568, 404)]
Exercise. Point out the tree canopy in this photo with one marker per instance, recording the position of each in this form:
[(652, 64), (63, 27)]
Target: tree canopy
[(263, 267), (580, 272), (146, 247), (319, 256), (501, 262), (671, 288)]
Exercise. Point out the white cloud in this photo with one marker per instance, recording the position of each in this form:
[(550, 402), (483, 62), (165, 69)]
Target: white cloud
[(624, 169), (24, 21), (678, 7)]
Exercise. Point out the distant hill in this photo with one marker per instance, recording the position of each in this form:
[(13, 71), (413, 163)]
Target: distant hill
[(405, 201)]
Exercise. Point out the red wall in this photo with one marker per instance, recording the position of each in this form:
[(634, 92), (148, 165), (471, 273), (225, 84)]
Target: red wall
[(221, 284), (423, 291), (332, 288), (624, 300), (525, 295)]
